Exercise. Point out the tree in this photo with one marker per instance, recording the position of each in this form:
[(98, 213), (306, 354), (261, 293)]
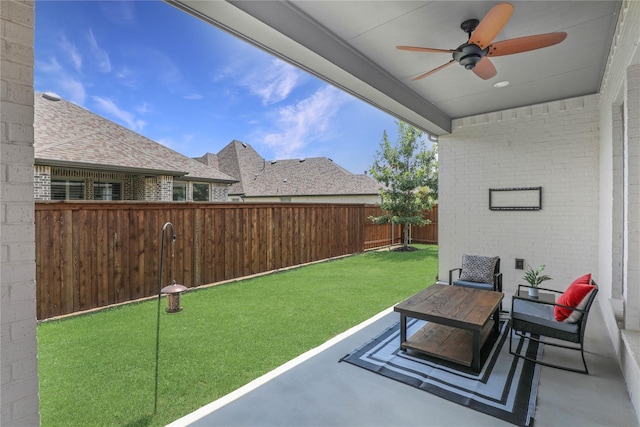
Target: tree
[(408, 171)]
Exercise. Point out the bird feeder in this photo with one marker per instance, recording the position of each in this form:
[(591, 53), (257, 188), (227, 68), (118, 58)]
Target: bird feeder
[(173, 296), (174, 290)]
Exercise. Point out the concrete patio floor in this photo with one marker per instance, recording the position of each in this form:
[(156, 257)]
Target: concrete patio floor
[(317, 390)]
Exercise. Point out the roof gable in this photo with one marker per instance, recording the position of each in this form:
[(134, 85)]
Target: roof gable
[(240, 161), (293, 177)]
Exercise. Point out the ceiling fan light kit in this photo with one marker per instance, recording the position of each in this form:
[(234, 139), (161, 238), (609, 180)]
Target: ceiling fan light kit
[(473, 55)]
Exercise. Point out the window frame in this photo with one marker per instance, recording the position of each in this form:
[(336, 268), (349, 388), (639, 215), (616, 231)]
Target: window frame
[(179, 185), (67, 188), (208, 191), (108, 184)]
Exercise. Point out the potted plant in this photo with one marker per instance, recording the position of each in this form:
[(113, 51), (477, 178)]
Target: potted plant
[(534, 278)]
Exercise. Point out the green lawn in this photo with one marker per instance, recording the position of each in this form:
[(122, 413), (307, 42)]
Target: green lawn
[(99, 369)]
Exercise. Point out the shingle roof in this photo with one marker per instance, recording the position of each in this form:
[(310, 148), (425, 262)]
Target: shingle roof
[(294, 177), (240, 161), (68, 135)]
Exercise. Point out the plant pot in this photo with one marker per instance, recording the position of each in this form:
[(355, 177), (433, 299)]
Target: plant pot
[(533, 292)]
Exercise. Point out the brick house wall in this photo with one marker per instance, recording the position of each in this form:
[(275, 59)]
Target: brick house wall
[(134, 187), (218, 192), (42, 182), (132, 184), (18, 344)]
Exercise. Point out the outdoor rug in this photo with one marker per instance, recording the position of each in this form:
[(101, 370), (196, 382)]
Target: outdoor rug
[(506, 388)]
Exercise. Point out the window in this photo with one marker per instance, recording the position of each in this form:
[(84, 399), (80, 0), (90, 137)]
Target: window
[(285, 199), (63, 189), (106, 191), (179, 191), (200, 192)]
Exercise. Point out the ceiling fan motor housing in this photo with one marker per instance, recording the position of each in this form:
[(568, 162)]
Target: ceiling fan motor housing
[(468, 55)]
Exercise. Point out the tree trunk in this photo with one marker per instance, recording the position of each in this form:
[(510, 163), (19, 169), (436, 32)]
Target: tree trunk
[(405, 238)]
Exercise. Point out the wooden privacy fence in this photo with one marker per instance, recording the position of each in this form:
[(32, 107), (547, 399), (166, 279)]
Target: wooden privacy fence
[(382, 235), (94, 254)]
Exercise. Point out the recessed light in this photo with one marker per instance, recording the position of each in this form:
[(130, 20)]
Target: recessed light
[(501, 84)]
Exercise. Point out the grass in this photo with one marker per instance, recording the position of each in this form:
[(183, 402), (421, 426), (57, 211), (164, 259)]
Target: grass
[(99, 369)]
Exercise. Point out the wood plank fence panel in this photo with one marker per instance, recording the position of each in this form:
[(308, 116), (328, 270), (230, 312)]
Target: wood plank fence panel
[(93, 254), (427, 233)]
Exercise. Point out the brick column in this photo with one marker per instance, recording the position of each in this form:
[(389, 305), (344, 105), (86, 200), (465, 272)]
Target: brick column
[(42, 182), (18, 345), (165, 186)]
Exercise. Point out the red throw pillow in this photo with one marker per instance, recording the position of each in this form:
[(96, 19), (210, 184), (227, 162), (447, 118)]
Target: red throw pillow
[(573, 296)]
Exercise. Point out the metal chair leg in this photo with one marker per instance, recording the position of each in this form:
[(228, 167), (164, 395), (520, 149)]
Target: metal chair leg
[(540, 362)]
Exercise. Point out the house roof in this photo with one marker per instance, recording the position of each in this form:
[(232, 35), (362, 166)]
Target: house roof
[(240, 161), (68, 135), (293, 177)]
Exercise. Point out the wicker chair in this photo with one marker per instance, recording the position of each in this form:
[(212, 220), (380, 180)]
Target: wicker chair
[(536, 317)]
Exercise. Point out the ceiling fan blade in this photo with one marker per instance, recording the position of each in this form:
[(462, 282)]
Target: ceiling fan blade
[(485, 69), (525, 44), (428, 73), (491, 25), (425, 49)]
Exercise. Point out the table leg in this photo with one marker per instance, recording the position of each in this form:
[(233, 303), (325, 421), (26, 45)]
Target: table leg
[(475, 364), (496, 321), (403, 329)]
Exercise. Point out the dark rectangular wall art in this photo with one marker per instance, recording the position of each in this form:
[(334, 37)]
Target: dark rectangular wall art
[(515, 199)]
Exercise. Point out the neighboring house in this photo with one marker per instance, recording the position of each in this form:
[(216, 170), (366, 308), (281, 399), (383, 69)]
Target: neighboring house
[(311, 180), (82, 156)]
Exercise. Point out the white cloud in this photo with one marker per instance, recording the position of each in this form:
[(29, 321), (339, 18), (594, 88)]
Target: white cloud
[(127, 78), (73, 90), (51, 66), (143, 109), (55, 78), (72, 52), (193, 96), (109, 107), (273, 83), (272, 80), (119, 12), (180, 143), (224, 72), (100, 56), (304, 123), (163, 67)]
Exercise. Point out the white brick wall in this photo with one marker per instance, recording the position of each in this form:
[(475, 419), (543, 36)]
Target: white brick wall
[(631, 269), (619, 246), (18, 345), (552, 145), (585, 154)]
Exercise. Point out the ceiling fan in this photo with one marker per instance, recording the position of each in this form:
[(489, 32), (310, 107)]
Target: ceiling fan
[(473, 55)]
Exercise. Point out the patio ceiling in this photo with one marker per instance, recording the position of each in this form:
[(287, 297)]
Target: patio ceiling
[(352, 45)]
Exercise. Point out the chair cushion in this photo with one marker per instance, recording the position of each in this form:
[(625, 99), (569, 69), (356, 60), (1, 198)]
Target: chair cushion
[(573, 297), (575, 316), (477, 268), (476, 285), (539, 314)]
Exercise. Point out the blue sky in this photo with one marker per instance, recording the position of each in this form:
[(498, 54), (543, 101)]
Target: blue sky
[(194, 88)]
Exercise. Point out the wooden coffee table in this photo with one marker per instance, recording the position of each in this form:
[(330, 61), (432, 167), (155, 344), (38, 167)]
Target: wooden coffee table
[(459, 321)]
